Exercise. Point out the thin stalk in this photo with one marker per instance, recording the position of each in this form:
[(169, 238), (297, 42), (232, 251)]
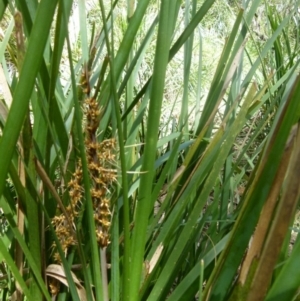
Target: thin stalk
[(130, 159), (83, 30), (115, 258), (129, 91), (199, 83), (188, 49), (201, 279), (104, 273), (147, 172), (19, 258), (33, 208)]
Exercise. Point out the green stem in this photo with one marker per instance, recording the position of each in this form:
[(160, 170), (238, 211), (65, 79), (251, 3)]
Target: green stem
[(104, 273), (147, 172)]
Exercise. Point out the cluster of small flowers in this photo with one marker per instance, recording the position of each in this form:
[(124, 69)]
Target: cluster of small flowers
[(100, 156), (62, 224)]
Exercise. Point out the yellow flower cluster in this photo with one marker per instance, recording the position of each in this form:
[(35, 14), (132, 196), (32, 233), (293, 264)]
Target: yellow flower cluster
[(100, 157), (64, 225)]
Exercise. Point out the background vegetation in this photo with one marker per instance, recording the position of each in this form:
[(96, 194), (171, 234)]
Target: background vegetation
[(149, 150)]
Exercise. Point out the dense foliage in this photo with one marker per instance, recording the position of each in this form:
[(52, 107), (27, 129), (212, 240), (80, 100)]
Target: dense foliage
[(153, 156)]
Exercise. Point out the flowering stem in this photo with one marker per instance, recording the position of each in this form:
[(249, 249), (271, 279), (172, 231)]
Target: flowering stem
[(104, 273)]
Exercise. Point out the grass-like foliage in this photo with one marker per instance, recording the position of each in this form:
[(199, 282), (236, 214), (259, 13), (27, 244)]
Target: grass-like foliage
[(139, 162)]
